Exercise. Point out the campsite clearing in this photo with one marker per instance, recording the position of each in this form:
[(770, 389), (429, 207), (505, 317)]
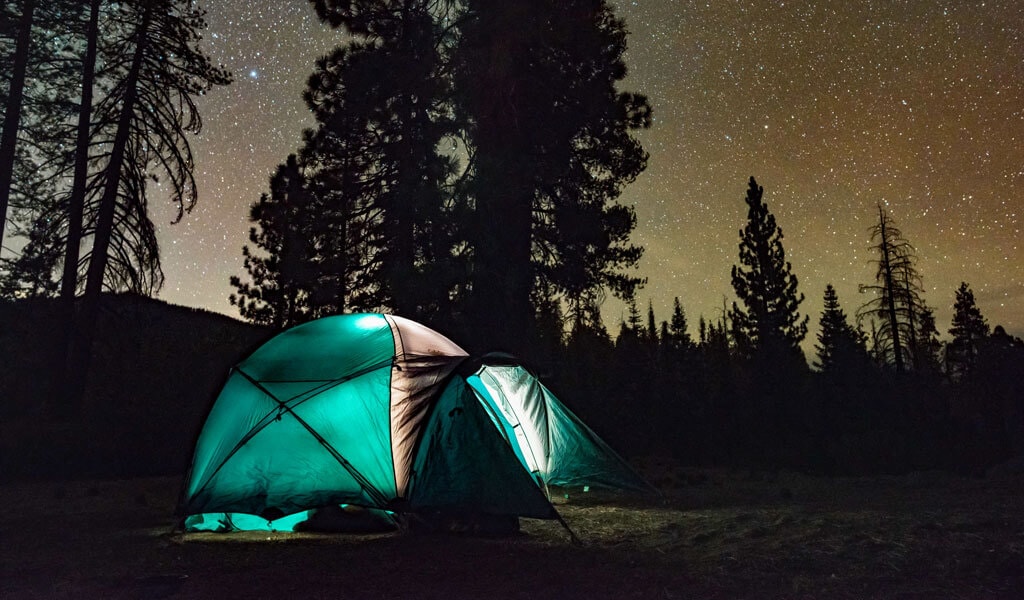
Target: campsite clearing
[(715, 534)]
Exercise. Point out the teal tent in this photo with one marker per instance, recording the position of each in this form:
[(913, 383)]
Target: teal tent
[(380, 412)]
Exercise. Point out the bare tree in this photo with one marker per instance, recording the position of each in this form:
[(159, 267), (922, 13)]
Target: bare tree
[(897, 308)]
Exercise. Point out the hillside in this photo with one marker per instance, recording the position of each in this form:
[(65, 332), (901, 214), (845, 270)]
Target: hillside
[(155, 372)]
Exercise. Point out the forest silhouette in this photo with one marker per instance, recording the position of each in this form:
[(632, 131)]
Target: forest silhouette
[(464, 171)]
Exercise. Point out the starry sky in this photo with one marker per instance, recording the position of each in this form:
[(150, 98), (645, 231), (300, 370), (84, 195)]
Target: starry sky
[(834, 107)]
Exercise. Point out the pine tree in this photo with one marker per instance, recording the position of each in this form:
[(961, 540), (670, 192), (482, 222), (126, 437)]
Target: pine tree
[(280, 276), (651, 331), (633, 321), (678, 336), (387, 90), (76, 200), (51, 257), (969, 330), (551, 145), (156, 70), (31, 274), (664, 335), (766, 285), (928, 358), (13, 107), (42, 161), (145, 119), (839, 344)]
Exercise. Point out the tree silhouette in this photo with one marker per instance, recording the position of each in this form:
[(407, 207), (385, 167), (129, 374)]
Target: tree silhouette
[(156, 69), (13, 107), (839, 344), (969, 331), (897, 306), (678, 334), (280, 279), (651, 331), (384, 95), (147, 115), (765, 284), (36, 45), (76, 200), (928, 357), (550, 145)]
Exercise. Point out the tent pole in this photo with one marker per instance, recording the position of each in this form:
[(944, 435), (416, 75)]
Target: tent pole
[(367, 487)]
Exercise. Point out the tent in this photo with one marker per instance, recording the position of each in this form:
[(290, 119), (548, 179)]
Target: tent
[(380, 412)]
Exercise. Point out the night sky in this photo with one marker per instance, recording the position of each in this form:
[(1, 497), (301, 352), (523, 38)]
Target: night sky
[(832, 106)]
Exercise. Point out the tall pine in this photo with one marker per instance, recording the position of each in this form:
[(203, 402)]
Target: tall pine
[(969, 330), (383, 96), (840, 345), (278, 266), (549, 133), (678, 334), (766, 286), (156, 69)]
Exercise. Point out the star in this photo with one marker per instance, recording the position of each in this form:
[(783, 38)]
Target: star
[(832, 106)]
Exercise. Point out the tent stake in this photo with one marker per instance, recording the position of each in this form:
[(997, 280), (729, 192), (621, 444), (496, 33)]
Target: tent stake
[(572, 534)]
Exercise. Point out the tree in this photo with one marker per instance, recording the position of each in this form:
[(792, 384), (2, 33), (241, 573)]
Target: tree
[(897, 307), (651, 331), (31, 274), (969, 331), (678, 337), (766, 285), (928, 358), (839, 344), (387, 91), (35, 156), (12, 110), (549, 136), (147, 115), (344, 157), (156, 68), (76, 200), (113, 144), (277, 296)]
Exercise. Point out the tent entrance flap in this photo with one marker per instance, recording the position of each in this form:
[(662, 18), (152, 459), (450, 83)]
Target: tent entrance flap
[(463, 465)]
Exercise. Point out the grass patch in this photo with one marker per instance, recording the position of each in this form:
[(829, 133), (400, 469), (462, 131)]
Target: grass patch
[(729, 535)]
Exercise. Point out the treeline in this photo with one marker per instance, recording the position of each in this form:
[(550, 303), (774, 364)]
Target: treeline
[(464, 172), (881, 393), (98, 101)]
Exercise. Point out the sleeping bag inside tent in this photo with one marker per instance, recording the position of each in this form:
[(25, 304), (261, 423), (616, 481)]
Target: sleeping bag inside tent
[(379, 412)]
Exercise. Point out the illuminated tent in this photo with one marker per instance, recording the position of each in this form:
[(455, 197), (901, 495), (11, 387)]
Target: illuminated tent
[(381, 412)]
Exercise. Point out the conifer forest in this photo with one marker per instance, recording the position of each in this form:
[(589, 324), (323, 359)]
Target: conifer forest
[(465, 168)]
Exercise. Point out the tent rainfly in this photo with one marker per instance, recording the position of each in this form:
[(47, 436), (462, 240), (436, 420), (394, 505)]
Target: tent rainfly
[(380, 412)]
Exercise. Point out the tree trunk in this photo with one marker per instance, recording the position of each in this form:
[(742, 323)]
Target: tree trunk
[(87, 322), (76, 204), (502, 271), (12, 115), (890, 291), (76, 209), (502, 276)]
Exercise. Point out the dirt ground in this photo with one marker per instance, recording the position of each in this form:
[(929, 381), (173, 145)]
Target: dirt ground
[(713, 535)]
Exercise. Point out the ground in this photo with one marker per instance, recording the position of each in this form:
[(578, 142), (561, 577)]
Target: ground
[(714, 534)]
